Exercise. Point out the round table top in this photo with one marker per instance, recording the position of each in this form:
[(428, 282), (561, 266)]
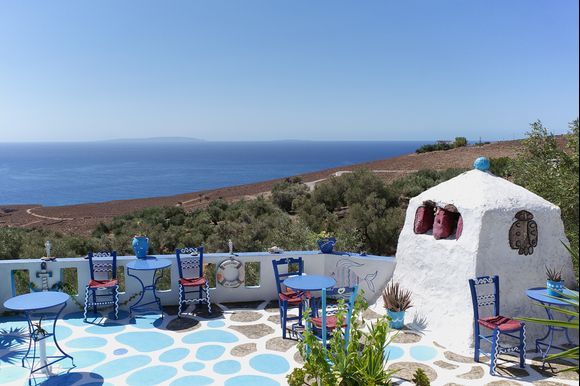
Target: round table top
[(36, 301), (309, 282), (148, 264), (541, 295)]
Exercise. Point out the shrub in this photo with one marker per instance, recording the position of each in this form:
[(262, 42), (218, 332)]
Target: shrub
[(420, 378), (460, 142), (355, 364), (284, 193)]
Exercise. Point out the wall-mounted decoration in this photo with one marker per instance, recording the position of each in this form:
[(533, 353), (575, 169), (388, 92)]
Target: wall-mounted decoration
[(346, 276), (523, 234), (424, 217)]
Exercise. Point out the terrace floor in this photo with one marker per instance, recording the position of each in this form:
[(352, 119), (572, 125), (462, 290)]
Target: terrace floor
[(239, 344)]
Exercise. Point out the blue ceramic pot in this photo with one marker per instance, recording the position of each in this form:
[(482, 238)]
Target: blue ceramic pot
[(553, 286), (326, 244), (141, 246), (397, 319)]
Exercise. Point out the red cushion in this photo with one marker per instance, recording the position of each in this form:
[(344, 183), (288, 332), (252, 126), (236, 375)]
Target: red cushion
[(192, 282), (330, 322), (293, 297), (424, 217), (103, 283), (504, 323), (444, 224)]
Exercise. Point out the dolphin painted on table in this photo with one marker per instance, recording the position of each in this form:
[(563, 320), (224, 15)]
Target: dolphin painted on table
[(346, 276)]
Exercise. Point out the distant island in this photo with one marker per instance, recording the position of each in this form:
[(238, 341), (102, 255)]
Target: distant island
[(155, 139)]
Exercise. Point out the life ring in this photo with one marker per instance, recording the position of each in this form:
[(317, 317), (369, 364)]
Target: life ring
[(230, 273)]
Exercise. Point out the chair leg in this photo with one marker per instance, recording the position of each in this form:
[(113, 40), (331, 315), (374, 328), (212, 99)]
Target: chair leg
[(207, 298), (494, 351), (116, 300), (86, 302), (284, 313), (523, 346), (180, 301), (95, 301), (477, 344)]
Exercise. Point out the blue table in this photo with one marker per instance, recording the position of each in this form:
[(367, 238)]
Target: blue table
[(541, 296), (143, 265), (305, 283), (37, 304), (309, 282)]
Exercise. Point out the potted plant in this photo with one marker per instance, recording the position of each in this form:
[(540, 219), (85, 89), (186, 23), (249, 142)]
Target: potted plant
[(326, 242), (554, 282), (397, 300), (140, 246)]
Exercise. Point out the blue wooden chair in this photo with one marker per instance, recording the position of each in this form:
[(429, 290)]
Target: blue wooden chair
[(286, 296), (485, 293), (191, 279), (326, 321), (103, 289)]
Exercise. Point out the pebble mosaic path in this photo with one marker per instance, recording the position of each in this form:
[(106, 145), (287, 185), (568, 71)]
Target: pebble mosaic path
[(238, 345)]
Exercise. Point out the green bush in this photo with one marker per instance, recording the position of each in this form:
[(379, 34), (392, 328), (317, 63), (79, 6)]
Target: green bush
[(284, 193), (460, 142)]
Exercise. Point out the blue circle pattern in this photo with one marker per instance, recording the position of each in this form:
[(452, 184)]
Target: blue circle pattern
[(209, 352), (193, 366), (145, 341), (227, 367), (251, 380), (151, 376), (423, 353), (270, 364), (174, 355)]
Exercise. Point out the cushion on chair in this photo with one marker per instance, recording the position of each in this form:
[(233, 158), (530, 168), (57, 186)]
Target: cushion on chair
[(192, 282), (103, 283), (504, 323), (293, 297), (330, 322)]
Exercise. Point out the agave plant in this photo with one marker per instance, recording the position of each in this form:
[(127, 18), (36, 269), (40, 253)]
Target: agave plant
[(553, 274), (396, 298)]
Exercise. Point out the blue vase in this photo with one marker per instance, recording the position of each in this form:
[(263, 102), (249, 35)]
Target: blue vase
[(553, 286), (397, 319), (141, 246), (326, 244)]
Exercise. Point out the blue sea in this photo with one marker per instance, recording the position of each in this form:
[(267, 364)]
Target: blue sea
[(73, 173)]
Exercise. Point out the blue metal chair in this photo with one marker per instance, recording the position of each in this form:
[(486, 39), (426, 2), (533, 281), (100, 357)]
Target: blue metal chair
[(103, 289), (485, 293), (191, 279), (327, 322), (286, 296)]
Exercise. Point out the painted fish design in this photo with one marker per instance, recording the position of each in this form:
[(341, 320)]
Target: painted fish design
[(345, 276)]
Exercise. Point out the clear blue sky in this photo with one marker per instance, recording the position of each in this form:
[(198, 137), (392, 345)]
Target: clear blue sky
[(260, 70)]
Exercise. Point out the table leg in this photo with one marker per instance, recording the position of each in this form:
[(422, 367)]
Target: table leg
[(45, 361), (541, 342), (144, 288)]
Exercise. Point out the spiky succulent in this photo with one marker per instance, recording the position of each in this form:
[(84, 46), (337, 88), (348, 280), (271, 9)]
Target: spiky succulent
[(396, 298), (554, 274)]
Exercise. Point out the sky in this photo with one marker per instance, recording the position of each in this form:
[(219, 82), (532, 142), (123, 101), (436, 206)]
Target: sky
[(270, 70)]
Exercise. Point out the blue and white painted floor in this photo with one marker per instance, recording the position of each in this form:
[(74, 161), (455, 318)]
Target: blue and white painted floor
[(241, 346)]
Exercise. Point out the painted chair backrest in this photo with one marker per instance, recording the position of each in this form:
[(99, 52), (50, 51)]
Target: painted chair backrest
[(103, 265), (327, 309), (190, 262), (484, 293), (287, 271)]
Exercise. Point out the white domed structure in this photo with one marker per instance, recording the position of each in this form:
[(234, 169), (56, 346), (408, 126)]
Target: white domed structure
[(490, 227)]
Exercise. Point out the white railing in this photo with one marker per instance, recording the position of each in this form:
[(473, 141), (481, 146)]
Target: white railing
[(370, 272)]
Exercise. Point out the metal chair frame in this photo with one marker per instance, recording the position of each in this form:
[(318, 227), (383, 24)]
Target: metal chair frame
[(193, 262), (111, 294), (497, 349), (283, 305)]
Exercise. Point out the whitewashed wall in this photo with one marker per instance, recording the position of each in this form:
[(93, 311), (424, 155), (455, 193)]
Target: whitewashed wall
[(315, 263)]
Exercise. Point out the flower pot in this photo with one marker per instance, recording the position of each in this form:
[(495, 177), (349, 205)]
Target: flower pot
[(326, 244), (140, 246), (552, 287), (397, 319)]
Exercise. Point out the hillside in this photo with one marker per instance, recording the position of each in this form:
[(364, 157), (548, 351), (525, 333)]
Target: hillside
[(82, 219)]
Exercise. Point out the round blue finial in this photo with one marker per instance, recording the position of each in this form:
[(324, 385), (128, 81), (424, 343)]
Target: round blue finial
[(482, 164)]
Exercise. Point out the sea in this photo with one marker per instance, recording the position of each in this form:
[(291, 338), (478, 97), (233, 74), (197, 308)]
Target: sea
[(84, 172)]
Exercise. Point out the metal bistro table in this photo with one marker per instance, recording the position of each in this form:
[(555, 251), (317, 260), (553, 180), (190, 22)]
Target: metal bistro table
[(34, 304), (143, 265), (305, 283), (541, 296)]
